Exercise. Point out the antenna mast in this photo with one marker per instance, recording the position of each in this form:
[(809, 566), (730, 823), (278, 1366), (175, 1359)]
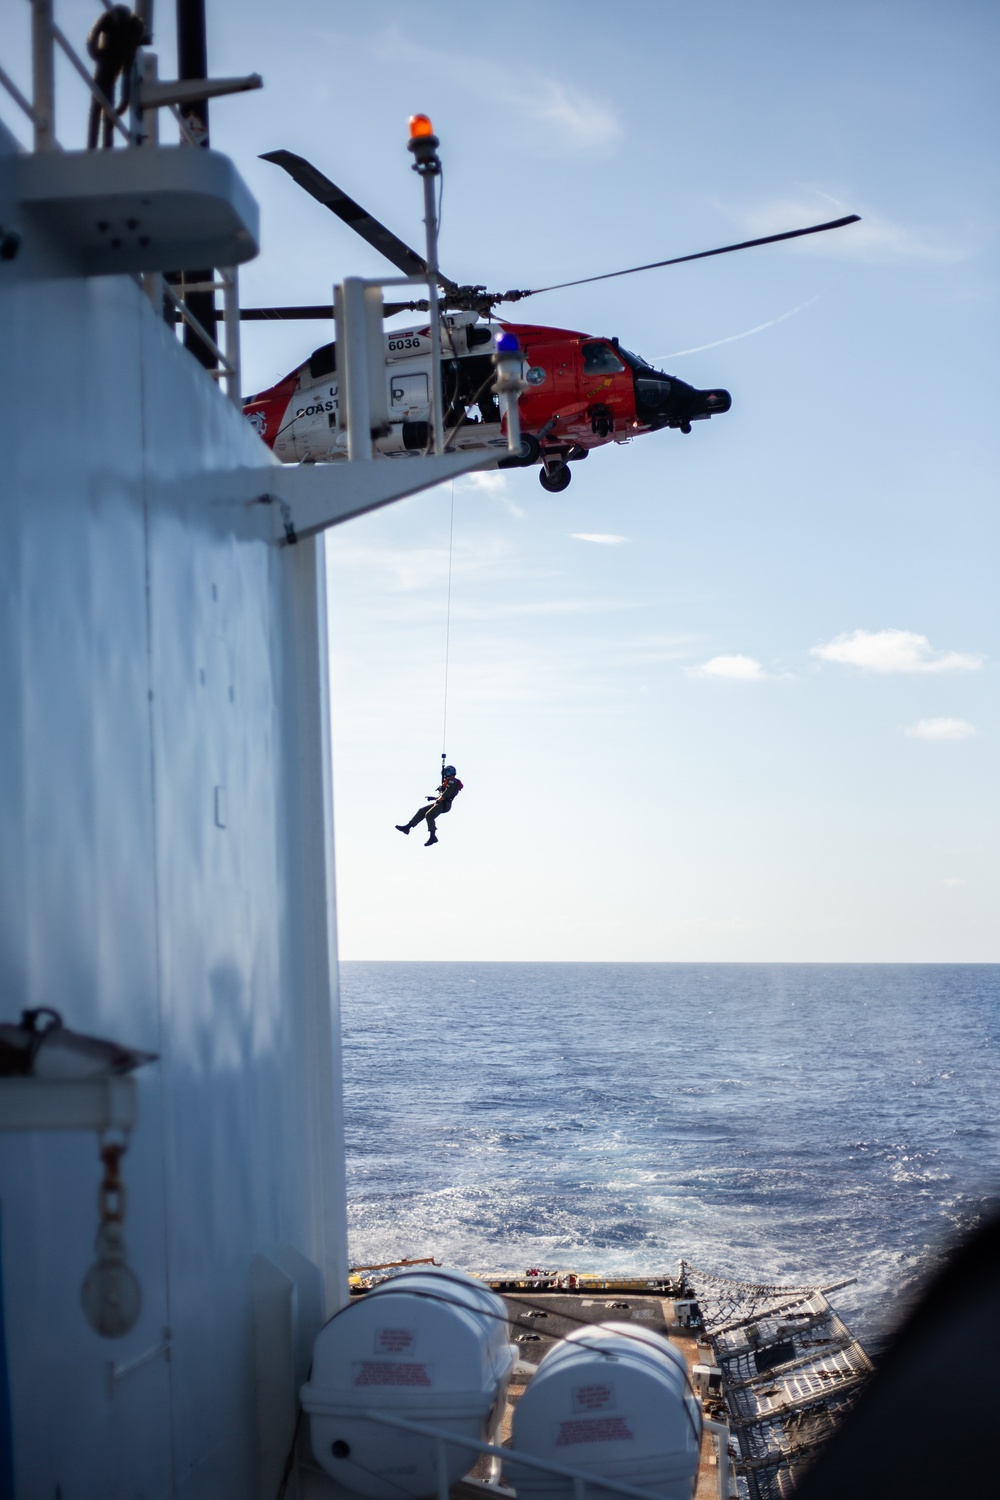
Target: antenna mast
[(424, 143)]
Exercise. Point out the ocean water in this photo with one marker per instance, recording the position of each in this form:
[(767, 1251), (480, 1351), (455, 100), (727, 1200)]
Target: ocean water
[(773, 1122)]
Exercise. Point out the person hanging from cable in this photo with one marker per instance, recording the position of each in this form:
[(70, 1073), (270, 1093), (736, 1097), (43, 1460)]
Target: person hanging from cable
[(114, 40), (438, 806), (450, 784)]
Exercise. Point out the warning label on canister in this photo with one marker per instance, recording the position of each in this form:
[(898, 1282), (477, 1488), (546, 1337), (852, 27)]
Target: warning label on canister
[(594, 1430), (394, 1340), (392, 1372), (593, 1397)]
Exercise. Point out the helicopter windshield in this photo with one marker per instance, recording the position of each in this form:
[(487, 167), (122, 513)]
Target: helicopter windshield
[(600, 359)]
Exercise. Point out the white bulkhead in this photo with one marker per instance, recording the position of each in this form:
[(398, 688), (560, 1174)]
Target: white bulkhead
[(613, 1400), (429, 1347), (166, 880)]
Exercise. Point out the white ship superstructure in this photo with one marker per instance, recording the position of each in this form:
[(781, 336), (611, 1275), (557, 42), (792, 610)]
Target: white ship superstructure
[(166, 837)]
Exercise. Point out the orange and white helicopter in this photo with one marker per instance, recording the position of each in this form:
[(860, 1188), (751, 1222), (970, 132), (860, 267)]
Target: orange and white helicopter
[(581, 391)]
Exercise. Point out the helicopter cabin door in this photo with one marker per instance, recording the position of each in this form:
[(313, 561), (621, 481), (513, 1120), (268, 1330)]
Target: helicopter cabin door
[(551, 372), (408, 397), (606, 387)]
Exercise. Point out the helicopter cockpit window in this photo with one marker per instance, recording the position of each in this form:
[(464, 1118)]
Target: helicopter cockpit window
[(599, 359)]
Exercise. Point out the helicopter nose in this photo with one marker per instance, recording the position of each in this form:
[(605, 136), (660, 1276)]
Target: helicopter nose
[(716, 401)]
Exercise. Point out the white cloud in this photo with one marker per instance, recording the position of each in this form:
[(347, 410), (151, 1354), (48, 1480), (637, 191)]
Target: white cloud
[(490, 481), (738, 668), (940, 729), (551, 116), (416, 570), (876, 240), (655, 650), (606, 538), (508, 609), (953, 880), (886, 651), (493, 485)]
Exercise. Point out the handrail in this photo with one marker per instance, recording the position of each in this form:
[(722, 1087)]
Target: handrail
[(46, 35), (188, 317), (229, 361), (43, 76), (720, 1432), (231, 333), (390, 1265), (15, 93), (580, 1477), (187, 134), (41, 112)]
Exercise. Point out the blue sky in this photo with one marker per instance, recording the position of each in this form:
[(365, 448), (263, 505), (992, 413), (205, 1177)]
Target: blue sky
[(732, 695)]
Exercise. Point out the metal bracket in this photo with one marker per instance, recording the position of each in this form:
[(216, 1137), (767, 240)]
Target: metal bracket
[(118, 1372), (285, 510), (154, 95), (313, 497)]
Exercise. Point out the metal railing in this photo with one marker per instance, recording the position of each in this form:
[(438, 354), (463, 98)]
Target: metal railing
[(581, 1478), (40, 110), (142, 129), (227, 366)]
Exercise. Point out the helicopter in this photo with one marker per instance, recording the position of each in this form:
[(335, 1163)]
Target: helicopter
[(580, 391)]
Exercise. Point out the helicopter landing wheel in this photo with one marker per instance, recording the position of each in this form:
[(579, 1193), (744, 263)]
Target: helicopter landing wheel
[(556, 478), (602, 420)]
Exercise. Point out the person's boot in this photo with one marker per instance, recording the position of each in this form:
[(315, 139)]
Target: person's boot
[(403, 827), (432, 840)]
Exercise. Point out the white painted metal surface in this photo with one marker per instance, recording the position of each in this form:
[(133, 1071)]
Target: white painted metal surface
[(88, 1104), (156, 646), (164, 209)]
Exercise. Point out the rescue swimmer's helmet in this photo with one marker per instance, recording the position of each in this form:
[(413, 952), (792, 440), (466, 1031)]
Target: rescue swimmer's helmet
[(449, 771)]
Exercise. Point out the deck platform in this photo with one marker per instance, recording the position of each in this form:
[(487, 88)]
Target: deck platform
[(788, 1367)]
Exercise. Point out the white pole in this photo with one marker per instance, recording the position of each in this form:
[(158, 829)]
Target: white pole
[(146, 132), (43, 68), (426, 162), (352, 367), (720, 1431), (430, 220), (231, 325), (442, 1469)]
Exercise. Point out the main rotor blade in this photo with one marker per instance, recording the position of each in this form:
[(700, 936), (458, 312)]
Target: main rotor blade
[(767, 239), (292, 314), (285, 314), (357, 218)]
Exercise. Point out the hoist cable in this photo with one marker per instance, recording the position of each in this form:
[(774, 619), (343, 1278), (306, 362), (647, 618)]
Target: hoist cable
[(447, 628)]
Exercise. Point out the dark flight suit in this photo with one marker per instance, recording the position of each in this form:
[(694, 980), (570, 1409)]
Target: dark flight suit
[(114, 39), (448, 790)]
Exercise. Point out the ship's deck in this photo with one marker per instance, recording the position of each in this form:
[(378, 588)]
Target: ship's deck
[(788, 1366)]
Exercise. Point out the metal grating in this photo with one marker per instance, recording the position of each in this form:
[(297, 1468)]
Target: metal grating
[(790, 1369)]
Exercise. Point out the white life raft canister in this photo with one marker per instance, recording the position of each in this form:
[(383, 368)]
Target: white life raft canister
[(614, 1400), (429, 1346)]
